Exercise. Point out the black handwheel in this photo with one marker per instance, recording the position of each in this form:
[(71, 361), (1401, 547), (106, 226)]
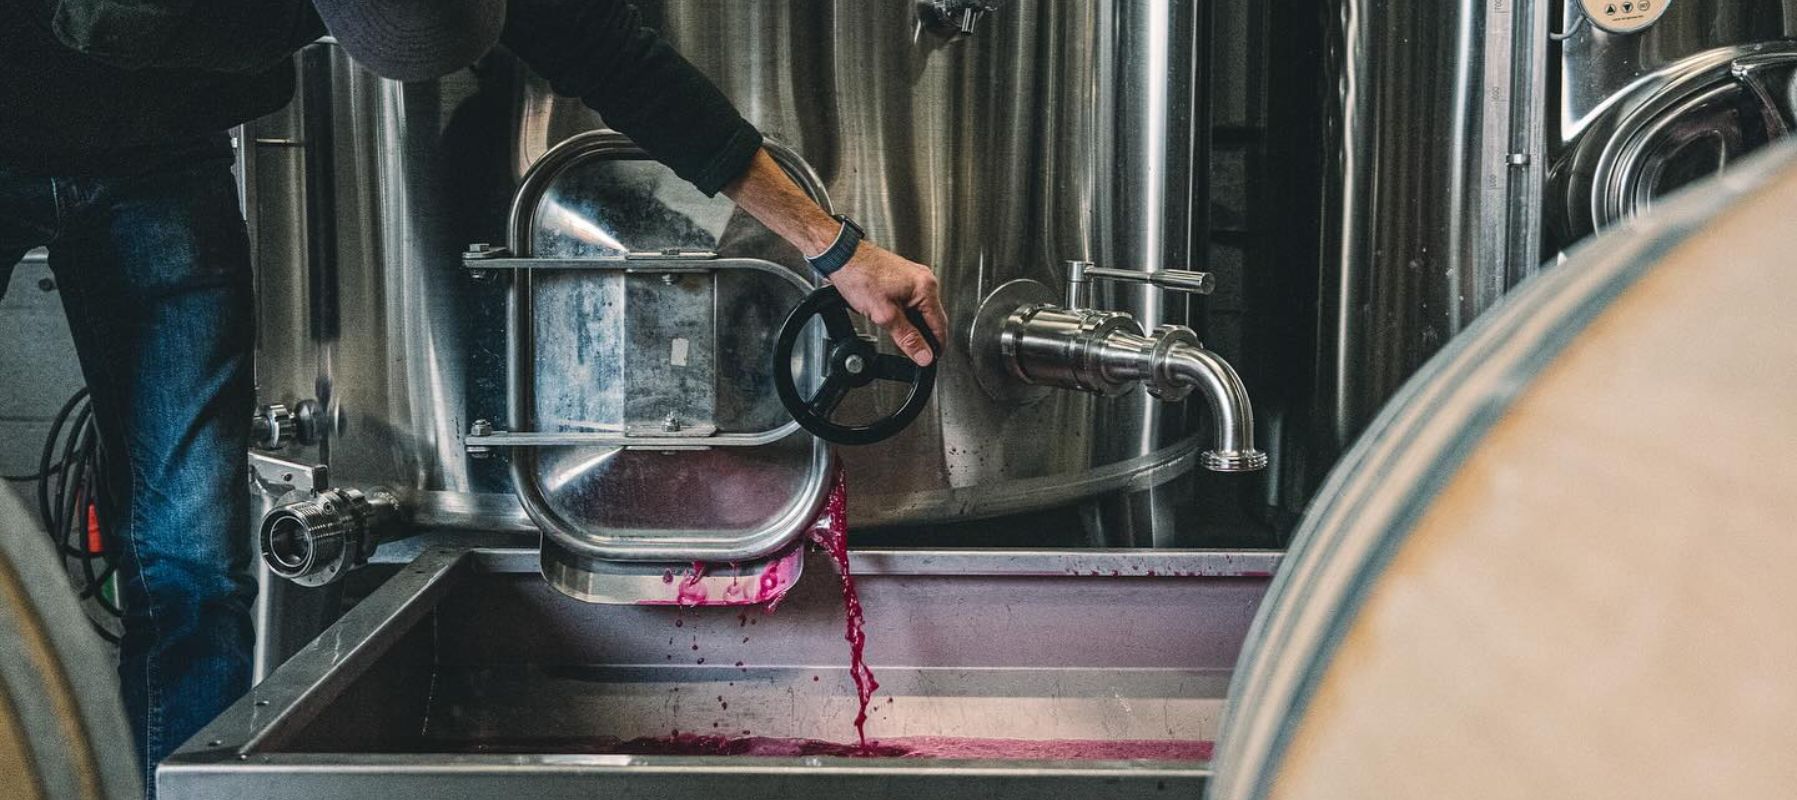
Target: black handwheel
[(850, 362)]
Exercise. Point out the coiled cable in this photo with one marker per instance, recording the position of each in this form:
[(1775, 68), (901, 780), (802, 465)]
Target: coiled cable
[(72, 502)]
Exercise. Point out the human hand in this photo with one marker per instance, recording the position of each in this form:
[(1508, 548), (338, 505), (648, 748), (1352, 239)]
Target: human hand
[(881, 284), (875, 281)]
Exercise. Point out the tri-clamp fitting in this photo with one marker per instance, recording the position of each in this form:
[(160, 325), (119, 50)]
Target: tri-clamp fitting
[(274, 426), (319, 539)]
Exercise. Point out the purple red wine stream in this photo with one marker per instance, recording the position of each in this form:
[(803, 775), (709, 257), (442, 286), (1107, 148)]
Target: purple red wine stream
[(832, 533)]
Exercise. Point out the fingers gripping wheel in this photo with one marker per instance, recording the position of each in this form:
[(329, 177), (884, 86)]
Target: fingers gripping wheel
[(850, 362)]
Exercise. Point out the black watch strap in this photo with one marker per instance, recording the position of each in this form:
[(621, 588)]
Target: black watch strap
[(839, 252)]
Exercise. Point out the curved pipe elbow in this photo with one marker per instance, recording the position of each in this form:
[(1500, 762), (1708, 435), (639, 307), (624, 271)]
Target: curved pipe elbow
[(1186, 364)]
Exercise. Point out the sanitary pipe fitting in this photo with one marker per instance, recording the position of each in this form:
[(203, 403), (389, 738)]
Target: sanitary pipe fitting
[(272, 427), (1067, 348), (275, 426), (318, 539), (1186, 363), (1105, 352)]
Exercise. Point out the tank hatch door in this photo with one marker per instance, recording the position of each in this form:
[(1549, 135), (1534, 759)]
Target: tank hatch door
[(644, 433), (1687, 123)]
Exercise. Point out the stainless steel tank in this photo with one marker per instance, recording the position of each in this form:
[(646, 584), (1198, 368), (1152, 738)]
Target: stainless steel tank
[(1468, 143), (372, 347), (382, 359), (1644, 109), (1431, 186), (379, 347), (1046, 132), (994, 141)]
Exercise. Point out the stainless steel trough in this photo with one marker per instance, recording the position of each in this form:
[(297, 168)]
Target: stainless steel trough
[(467, 675)]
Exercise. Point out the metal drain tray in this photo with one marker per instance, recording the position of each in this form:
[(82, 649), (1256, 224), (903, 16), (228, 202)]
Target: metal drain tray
[(467, 676)]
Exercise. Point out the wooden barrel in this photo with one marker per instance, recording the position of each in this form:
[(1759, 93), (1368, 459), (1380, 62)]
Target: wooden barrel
[(62, 728), (1563, 562)]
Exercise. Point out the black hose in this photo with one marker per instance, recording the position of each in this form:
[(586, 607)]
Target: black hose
[(43, 465), (70, 487)]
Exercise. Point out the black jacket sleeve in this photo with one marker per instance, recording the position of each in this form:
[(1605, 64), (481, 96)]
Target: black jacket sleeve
[(599, 51)]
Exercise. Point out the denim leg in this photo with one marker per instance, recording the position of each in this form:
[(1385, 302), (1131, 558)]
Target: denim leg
[(155, 278)]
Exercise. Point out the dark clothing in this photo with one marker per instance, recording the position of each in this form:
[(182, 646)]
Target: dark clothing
[(599, 51), (153, 269), (64, 112)]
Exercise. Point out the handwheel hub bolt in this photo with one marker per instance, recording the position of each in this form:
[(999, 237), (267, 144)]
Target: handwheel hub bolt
[(854, 364)]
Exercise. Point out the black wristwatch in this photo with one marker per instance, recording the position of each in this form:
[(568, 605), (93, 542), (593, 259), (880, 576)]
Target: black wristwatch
[(839, 252)]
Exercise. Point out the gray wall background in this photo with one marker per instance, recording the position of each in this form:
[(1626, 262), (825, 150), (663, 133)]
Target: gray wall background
[(37, 365)]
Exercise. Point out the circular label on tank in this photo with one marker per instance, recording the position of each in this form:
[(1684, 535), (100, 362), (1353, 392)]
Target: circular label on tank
[(1624, 16)]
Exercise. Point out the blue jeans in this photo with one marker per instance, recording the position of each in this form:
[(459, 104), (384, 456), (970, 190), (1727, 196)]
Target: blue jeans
[(155, 278)]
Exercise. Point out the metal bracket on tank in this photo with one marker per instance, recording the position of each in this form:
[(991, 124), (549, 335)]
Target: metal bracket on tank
[(276, 476), (955, 18), (485, 258)]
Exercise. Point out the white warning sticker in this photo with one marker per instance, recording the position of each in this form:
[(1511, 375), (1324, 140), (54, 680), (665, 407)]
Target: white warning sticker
[(677, 353)]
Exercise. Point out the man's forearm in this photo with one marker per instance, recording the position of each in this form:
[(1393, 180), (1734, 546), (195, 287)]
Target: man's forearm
[(770, 195), (876, 282)]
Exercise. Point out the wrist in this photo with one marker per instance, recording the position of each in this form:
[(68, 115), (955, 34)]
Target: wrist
[(820, 233), (841, 248)]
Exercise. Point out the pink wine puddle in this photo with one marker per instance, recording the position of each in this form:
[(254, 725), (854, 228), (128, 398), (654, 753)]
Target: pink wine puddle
[(918, 747), (832, 533)]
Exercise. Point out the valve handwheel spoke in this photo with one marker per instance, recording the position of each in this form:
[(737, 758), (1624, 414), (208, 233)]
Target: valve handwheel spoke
[(837, 324), (829, 396), (850, 363), (888, 367)]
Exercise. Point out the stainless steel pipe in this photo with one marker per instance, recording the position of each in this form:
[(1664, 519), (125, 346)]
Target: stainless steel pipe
[(1106, 352), (1232, 415)]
